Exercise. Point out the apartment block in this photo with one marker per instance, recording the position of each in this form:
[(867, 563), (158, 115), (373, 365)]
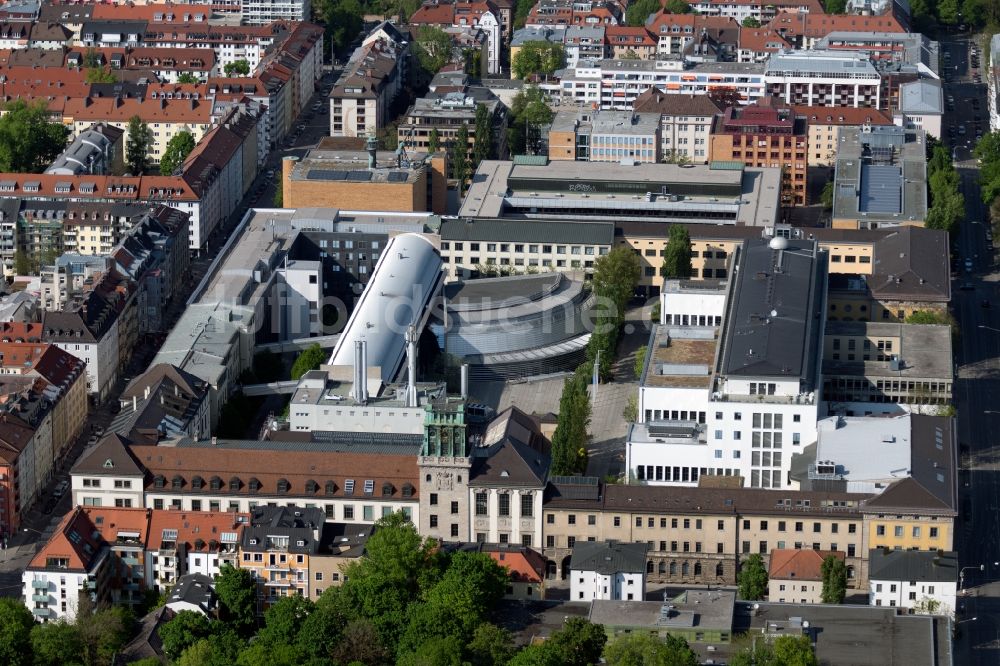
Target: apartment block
[(825, 125), (765, 135), (605, 136), (824, 78), (685, 123), (277, 547), (369, 82)]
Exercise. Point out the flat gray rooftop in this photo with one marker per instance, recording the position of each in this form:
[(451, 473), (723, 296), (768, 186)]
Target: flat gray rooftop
[(693, 609), (863, 635), (696, 193), (923, 349)]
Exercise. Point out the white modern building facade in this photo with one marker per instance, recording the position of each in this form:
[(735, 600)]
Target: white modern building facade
[(824, 78), (731, 383)]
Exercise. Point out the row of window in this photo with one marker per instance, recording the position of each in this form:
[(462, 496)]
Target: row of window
[(899, 531), (519, 248)]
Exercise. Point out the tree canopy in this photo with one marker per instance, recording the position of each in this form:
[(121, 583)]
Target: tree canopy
[(311, 358), (178, 148), (137, 145), (433, 48), (639, 11), (782, 651), (750, 22), (538, 58), (834, 580), (237, 68), (29, 141), (677, 253), (638, 649), (752, 578), (529, 114), (237, 593)]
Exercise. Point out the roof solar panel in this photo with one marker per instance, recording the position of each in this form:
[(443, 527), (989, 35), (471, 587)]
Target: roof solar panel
[(359, 176), (326, 174), (398, 177)]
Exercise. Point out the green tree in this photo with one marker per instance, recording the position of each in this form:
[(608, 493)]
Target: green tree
[(140, 139), (491, 646), (103, 633), (178, 148), (638, 12), (434, 141), (183, 631), (91, 58), (826, 196), (56, 644), (948, 11), (15, 633), (460, 156), (237, 68), (147, 661), (435, 651), (433, 48), (343, 20), (528, 111), (834, 580), (640, 361), (570, 436), (630, 412), (22, 263), (222, 649), (538, 58), (835, 6), (677, 253), (283, 621), (579, 642), (278, 200), (311, 358), (361, 644), (750, 22), (975, 12), (324, 628), (99, 75), (752, 578), (237, 594), (28, 140), (616, 275), (794, 651), (483, 137), (677, 7), (188, 77), (380, 586), (638, 649)]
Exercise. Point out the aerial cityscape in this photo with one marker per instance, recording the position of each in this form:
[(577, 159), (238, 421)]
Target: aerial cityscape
[(499, 332)]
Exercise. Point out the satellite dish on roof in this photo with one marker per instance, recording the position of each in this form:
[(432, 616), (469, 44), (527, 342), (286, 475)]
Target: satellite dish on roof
[(778, 243)]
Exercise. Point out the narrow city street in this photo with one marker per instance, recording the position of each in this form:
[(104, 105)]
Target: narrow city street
[(977, 385)]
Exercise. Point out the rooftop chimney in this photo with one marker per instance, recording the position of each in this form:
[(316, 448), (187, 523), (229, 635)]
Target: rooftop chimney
[(411, 362), (360, 388), (465, 381)]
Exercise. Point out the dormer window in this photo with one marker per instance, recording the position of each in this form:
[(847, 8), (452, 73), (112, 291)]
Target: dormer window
[(197, 483), (109, 464), (254, 485), (234, 484), (177, 482), (387, 490), (159, 481), (331, 487), (282, 486), (215, 483)]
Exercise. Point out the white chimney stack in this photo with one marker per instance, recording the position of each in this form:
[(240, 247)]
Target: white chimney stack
[(360, 388), (411, 362), (465, 381)]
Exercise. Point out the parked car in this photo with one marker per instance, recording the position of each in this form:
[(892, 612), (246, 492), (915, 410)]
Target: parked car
[(60, 489), (968, 265), (967, 286)]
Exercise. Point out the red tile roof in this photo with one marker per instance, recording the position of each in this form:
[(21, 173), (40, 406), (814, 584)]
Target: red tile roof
[(75, 540), (842, 115), (112, 521), (193, 526), (804, 564)]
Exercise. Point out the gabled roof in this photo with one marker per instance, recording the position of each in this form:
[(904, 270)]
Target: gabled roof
[(654, 100), (523, 564), (119, 525), (512, 453), (799, 564), (110, 456), (161, 372), (76, 542), (609, 557), (195, 530), (913, 565)]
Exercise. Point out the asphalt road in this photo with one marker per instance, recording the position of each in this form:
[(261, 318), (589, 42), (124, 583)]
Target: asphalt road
[(977, 387)]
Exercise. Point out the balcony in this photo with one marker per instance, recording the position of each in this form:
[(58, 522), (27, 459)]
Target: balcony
[(40, 584), (43, 612), (278, 583), (43, 598)]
